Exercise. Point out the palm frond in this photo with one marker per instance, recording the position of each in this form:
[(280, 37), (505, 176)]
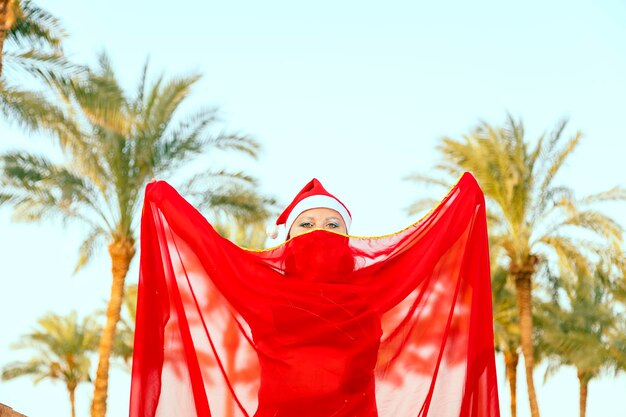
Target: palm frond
[(496, 219), (164, 151), (5, 197), (45, 65), (577, 334), (141, 89), (570, 252), (560, 156), (428, 180), (236, 142), (555, 136), (88, 247), (130, 300), (62, 344), (422, 205), (201, 179), (616, 193), (545, 155), (35, 112), (449, 169), (17, 369), (33, 24), (552, 368), (598, 222), (164, 101), (247, 235), (101, 101), (148, 103), (550, 200), (236, 201), (41, 188)]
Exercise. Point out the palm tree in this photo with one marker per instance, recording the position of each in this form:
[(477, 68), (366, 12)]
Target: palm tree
[(63, 345), (5, 24), (125, 332), (250, 235), (614, 278), (577, 334), (506, 328), (114, 144), (530, 218), (35, 34), (617, 346), (33, 38)]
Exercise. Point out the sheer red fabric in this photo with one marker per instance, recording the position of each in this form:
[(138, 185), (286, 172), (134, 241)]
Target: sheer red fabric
[(322, 325)]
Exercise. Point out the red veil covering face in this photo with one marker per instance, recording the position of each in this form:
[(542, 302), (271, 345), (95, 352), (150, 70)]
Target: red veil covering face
[(322, 325)]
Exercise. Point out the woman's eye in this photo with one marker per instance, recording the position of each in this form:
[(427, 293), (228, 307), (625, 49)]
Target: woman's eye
[(306, 225), (333, 225)]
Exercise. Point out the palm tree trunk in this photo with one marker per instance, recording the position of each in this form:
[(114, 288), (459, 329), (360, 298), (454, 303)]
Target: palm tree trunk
[(4, 13), (72, 400), (511, 358), (583, 380), (122, 252), (522, 289)]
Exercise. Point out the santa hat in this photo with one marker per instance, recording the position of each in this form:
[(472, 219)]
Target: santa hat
[(313, 195)]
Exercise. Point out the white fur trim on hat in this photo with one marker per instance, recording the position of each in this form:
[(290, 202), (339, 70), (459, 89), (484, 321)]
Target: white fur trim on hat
[(318, 201)]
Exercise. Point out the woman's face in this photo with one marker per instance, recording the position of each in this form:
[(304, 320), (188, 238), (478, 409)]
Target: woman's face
[(318, 218)]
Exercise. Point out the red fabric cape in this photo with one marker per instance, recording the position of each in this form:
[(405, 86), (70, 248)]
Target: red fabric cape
[(322, 325)]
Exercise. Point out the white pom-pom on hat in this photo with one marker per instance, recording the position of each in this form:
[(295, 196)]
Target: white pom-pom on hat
[(272, 231)]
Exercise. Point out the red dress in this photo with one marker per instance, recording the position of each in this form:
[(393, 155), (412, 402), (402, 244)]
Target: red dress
[(324, 325)]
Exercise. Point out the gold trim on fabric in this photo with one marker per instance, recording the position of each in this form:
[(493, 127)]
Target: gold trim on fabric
[(445, 197)]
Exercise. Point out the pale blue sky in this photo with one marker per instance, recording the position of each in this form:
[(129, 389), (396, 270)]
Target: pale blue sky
[(354, 93)]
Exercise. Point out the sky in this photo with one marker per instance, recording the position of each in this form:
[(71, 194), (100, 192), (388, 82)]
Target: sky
[(357, 94)]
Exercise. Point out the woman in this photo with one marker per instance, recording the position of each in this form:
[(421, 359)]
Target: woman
[(325, 324), (314, 208)]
